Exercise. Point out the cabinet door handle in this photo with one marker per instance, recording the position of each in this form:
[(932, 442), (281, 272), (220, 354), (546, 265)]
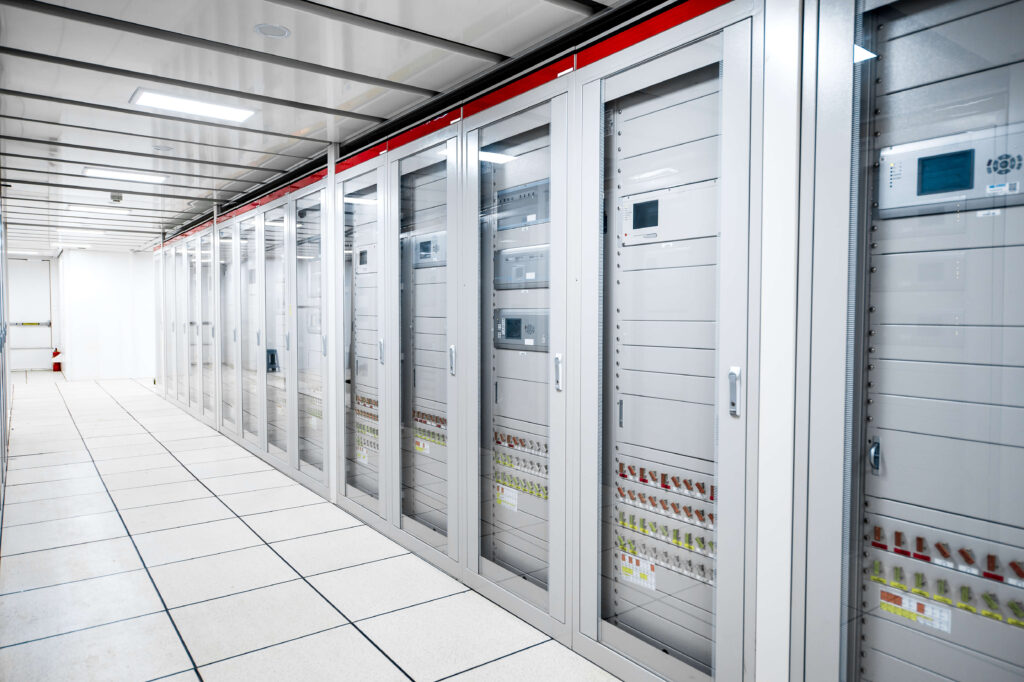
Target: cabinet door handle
[(558, 371), (734, 391), (380, 350), (323, 343), (287, 341), (620, 413), (451, 360)]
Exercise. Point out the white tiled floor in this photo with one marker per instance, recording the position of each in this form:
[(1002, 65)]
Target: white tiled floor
[(139, 544)]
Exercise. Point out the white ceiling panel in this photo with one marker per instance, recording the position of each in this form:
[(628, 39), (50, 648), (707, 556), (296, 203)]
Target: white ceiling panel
[(69, 69)]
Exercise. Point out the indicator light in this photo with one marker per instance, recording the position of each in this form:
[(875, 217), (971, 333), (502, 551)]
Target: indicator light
[(967, 555)]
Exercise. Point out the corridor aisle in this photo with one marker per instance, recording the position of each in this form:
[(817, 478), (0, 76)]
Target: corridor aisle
[(140, 544)]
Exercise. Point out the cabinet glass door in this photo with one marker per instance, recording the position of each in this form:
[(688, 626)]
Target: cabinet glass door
[(311, 339), (674, 183), (181, 289), (363, 342), (228, 282), (170, 318), (518, 424), (194, 326), (426, 190), (278, 337), (250, 327), (208, 328)]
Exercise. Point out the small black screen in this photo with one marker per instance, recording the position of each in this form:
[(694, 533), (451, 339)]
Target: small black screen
[(513, 328), (645, 214), (424, 249), (946, 172), (362, 258)]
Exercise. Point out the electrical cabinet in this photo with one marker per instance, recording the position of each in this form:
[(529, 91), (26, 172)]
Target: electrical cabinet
[(250, 335), (672, 277), (937, 527), (227, 307), (207, 327), (363, 215), (310, 334), (516, 174), (424, 202)]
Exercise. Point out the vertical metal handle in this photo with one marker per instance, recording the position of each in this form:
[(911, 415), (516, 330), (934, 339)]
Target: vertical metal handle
[(287, 341), (234, 334), (323, 344), (213, 331), (495, 392), (734, 391), (257, 337), (380, 350), (620, 413), (875, 457), (451, 360), (558, 371)]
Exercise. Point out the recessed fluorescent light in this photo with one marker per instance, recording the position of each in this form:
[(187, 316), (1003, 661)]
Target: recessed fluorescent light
[(23, 253), (183, 105), (80, 232), (131, 176), (119, 210), (862, 55), (72, 246)]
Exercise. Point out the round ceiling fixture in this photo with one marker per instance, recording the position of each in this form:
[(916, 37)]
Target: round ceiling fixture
[(272, 31)]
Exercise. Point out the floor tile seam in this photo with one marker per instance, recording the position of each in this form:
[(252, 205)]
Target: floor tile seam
[(201, 556), (184, 525), (70, 544), (256, 490), (271, 511), (270, 646), (304, 578), (235, 594), (512, 653), (410, 606), (136, 471), (311, 535), (43, 466), (157, 504), (362, 563), (237, 473), (152, 485), (152, 582), (48, 480), (83, 629), (70, 582), (47, 499), (63, 518)]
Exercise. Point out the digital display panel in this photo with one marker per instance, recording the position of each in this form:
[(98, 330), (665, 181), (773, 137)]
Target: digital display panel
[(362, 257), (645, 214), (945, 172), (513, 328)]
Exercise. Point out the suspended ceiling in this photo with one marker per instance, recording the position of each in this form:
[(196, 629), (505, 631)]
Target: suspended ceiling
[(70, 72)]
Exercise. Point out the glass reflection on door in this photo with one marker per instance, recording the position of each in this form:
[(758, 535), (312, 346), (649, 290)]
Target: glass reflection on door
[(515, 241), (424, 273), (182, 329), (194, 336), (170, 317), (362, 361), (278, 340), (228, 326), (207, 332), (310, 339), (250, 323)]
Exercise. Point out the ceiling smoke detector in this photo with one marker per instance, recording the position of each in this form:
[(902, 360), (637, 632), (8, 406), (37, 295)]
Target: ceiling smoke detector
[(272, 31)]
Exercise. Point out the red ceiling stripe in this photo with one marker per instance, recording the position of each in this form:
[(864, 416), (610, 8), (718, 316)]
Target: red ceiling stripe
[(425, 129), (528, 82), (659, 23)]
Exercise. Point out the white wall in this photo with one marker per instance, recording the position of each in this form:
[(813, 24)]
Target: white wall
[(106, 311)]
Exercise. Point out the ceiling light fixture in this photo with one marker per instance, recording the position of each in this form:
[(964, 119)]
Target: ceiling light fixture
[(131, 176), (272, 31), (14, 252), (72, 246), (80, 232), (183, 105), (116, 210)]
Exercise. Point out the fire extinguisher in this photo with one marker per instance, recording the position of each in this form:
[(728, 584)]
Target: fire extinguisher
[(56, 362)]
